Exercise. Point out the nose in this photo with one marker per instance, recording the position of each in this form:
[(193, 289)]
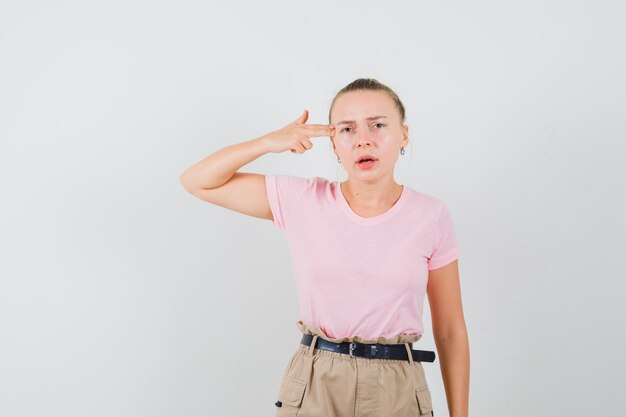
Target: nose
[(364, 139)]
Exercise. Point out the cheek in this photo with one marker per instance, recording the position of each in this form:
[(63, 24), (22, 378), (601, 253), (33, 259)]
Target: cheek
[(380, 134), (342, 145)]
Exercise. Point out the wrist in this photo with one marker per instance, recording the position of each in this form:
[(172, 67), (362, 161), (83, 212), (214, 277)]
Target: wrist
[(260, 145)]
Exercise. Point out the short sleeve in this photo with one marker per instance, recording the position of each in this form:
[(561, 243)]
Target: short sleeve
[(283, 191), (274, 201), (446, 248)]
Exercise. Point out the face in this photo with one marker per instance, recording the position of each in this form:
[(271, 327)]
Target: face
[(360, 130)]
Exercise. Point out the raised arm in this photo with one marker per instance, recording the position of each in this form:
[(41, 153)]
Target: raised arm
[(216, 178)]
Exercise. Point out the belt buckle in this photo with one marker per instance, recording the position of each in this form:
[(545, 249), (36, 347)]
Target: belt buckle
[(352, 347)]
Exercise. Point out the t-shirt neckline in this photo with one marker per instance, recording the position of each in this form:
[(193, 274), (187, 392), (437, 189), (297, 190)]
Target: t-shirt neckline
[(343, 202)]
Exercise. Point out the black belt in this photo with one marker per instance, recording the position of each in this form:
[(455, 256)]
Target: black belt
[(370, 351)]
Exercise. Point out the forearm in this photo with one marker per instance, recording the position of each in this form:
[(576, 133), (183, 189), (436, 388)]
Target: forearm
[(454, 362), (219, 167)]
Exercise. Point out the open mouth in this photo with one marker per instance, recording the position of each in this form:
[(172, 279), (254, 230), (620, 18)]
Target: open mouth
[(366, 163), (366, 158)]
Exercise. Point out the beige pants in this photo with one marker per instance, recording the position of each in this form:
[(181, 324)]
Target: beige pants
[(321, 383)]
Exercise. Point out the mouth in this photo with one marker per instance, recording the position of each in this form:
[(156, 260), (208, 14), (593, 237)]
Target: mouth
[(366, 158), (366, 162)]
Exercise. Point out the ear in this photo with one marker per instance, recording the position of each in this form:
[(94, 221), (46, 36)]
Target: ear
[(405, 135)]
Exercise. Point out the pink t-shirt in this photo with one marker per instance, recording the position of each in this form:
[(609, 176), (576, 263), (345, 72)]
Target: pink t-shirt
[(360, 276)]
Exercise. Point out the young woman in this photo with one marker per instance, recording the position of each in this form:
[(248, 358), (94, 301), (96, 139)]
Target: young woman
[(365, 253)]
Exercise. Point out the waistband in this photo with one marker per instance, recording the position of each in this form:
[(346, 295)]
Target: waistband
[(401, 351), (394, 340)]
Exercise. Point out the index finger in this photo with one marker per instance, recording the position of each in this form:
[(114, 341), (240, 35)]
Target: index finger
[(319, 129)]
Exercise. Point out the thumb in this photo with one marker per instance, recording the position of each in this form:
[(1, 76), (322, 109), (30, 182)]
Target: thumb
[(303, 117)]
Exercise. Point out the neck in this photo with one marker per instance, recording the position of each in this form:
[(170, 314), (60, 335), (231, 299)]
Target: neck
[(372, 195)]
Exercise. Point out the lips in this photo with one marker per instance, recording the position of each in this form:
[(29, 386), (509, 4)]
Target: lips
[(365, 157)]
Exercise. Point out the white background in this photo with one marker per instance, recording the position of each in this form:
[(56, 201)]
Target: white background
[(123, 295)]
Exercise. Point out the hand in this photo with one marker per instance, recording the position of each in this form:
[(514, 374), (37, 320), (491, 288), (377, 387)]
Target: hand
[(295, 136)]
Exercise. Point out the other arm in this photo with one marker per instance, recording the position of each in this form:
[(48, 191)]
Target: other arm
[(450, 335)]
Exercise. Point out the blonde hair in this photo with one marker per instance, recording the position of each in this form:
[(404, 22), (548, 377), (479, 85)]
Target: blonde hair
[(370, 84)]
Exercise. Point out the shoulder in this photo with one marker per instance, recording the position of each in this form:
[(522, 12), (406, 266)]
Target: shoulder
[(295, 180), (425, 201), (296, 185)]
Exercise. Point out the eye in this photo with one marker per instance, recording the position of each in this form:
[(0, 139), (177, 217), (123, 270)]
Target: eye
[(381, 124)]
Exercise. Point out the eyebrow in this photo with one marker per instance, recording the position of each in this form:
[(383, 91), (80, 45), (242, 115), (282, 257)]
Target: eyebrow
[(345, 122)]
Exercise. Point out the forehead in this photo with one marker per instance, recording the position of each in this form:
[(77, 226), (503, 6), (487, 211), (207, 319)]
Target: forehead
[(355, 106)]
